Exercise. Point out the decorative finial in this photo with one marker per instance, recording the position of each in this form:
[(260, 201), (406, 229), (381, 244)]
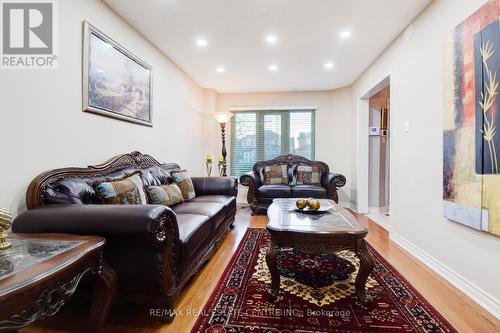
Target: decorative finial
[(5, 223)]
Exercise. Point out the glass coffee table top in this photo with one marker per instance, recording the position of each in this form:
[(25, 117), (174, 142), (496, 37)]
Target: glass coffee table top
[(283, 216), (27, 252)]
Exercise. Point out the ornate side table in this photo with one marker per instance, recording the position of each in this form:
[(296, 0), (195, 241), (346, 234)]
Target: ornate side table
[(41, 271)]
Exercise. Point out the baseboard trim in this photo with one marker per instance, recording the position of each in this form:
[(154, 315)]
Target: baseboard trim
[(381, 220), (488, 302), (348, 204)]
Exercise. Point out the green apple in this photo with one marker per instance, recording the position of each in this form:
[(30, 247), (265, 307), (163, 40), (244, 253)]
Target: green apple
[(301, 203), (314, 204)]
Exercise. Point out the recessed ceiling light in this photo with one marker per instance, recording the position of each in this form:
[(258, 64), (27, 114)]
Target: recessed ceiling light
[(273, 68), (271, 39), (328, 65), (344, 34), (220, 69), (201, 42)]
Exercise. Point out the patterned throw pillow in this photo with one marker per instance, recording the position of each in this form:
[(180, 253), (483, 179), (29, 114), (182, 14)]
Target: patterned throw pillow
[(167, 195), (307, 174), (127, 191), (276, 174), (182, 179)]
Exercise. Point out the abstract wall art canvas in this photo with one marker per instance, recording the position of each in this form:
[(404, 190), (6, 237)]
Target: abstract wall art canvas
[(115, 82), (471, 151)]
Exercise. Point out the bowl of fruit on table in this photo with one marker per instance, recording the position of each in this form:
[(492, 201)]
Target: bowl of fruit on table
[(312, 205)]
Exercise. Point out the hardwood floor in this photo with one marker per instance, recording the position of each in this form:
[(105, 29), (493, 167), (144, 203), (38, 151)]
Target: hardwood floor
[(464, 314)]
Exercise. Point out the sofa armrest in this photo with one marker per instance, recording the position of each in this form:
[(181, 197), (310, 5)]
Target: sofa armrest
[(336, 178), (251, 179), (149, 230), (139, 222), (331, 181), (215, 185)]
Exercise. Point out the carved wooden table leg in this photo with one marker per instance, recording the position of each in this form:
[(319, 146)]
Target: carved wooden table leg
[(272, 263), (104, 292), (365, 269)]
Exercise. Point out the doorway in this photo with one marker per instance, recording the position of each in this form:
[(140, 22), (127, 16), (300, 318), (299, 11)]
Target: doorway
[(379, 157), (374, 153)]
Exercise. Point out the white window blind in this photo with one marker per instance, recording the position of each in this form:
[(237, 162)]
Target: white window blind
[(263, 135)]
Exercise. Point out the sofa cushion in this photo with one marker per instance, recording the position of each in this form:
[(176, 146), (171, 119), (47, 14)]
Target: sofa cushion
[(209, 209), (276, 174), (194, 229), (127, 191), (70, 191), (226, 200), (167, 195), (306, 191), (156, 175), (182, 179), (214, 210), (308, 174), (215, 185), (274, 191)]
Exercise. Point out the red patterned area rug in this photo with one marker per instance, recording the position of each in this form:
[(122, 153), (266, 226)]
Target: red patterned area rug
[(316, 295)]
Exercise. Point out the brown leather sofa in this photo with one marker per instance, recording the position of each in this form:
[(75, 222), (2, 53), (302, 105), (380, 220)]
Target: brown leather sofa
[(260, 196), (154, 249)]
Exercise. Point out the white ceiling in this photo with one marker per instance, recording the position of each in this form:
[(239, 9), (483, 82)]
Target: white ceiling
[(235, 30)]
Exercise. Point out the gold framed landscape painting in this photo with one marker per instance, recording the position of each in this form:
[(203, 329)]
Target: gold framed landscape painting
[(471, 138), (116, 83)]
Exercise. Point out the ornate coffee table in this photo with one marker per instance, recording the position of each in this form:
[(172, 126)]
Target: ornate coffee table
[(329, 232), (41, 271)]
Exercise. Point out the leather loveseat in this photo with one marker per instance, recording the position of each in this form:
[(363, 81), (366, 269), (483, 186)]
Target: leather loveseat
[(260, 195), (153, 249)]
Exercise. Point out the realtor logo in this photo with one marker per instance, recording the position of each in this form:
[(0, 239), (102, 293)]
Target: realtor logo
[(28, 34)]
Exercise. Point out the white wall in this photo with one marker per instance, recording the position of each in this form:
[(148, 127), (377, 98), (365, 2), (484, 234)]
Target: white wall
[(333, 123), (43, 126), (415, 62), (211, 129)]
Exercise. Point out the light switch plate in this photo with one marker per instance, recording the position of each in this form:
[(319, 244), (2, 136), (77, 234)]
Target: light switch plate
[(407, 126)]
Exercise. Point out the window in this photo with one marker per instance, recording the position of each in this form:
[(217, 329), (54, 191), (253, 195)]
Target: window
[(263, 135)]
